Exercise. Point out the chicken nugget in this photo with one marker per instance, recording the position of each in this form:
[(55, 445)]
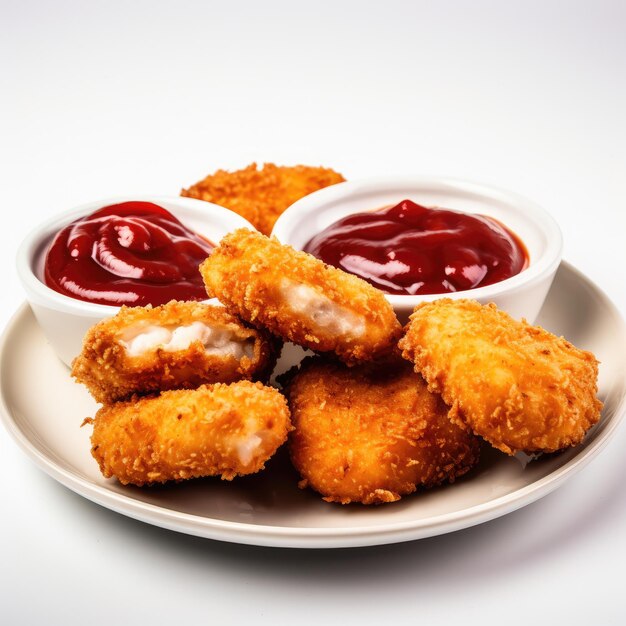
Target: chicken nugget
[(372, 433), (178, 345), (215, 430), (518, 386), (299, 298), (261, 195)]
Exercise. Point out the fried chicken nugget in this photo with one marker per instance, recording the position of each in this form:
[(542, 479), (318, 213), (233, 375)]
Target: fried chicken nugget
[(261, 195), (518, 386), (371, 434), (178, 345), (299, 298), (215, 430)]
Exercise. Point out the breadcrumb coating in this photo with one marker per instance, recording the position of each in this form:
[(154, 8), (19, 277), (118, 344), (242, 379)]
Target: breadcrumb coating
[(518, 386), (372, 433), (260, 195), (215, 347), (215, 430), (299, 298)]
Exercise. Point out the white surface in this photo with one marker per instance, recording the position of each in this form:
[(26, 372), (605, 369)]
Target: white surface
[(521, 295), (268, 509), (147, 97)]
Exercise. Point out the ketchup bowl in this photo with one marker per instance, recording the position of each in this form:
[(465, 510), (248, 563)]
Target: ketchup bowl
[(64, 318), (350, 220)]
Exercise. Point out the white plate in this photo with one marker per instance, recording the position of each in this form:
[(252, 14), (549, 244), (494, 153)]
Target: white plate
[(43, 408)]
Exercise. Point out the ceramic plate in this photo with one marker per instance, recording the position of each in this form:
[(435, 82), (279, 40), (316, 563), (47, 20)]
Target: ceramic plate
[(43, 408)]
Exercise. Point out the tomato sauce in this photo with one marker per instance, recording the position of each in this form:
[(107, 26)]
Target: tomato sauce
[(133, 253), (409, 249)]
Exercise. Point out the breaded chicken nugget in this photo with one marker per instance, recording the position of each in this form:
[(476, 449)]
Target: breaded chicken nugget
[(215, 430), (179, 345), (517, 386), (372, 433), (261, 195), (299, 298)]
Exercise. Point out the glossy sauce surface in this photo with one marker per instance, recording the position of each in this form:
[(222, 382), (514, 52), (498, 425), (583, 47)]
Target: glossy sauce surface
[(133, 253), (410, 249)]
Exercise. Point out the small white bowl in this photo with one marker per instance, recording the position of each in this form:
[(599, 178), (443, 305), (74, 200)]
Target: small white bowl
[(521, 295), (65, 320)]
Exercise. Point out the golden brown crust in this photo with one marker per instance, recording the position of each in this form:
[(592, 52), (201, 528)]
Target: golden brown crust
[(215, 430), (254, 276), (110, 373), (516, 385), (372, 433), (261, 195)]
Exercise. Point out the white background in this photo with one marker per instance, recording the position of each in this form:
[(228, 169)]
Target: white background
[(112, 98)]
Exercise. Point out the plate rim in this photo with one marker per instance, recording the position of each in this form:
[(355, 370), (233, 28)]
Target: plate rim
[(307, 537)]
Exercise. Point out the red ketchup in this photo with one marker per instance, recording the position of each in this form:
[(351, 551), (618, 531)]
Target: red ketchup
[(409, 249), (133, 253)]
